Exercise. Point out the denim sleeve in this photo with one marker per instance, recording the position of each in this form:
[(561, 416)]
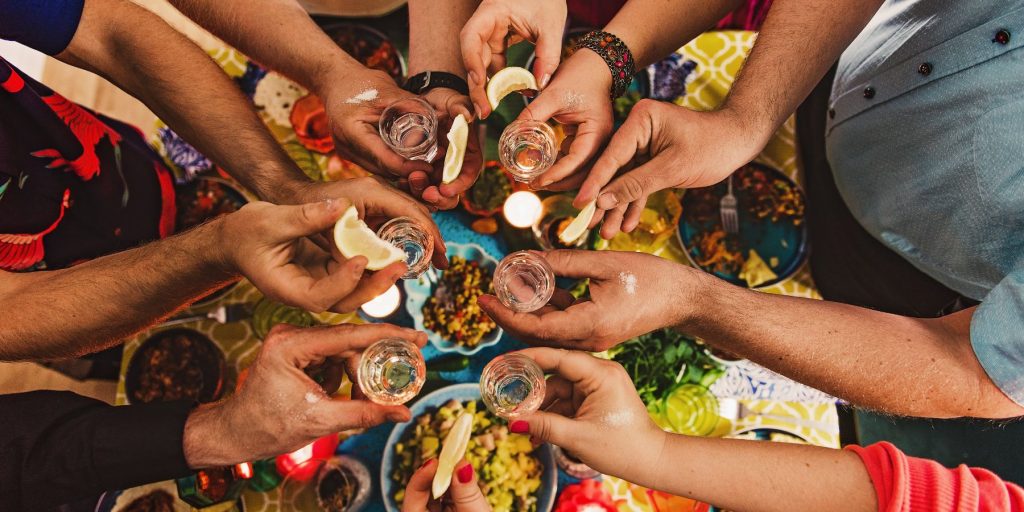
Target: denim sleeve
[(997, 334), (46, 25)]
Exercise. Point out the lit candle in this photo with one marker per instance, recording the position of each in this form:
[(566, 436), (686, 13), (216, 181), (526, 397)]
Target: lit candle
[(384, 304), (523, 209)]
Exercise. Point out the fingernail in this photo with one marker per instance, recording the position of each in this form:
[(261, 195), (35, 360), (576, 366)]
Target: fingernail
[(519, 427), (465, 474), (396, 417), (483, 300), (544, 81), (607, 201), (427, 463)]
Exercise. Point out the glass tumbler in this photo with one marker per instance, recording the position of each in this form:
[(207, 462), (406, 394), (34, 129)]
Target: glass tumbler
[(409, 127), (527, 148), (512, 385), (406, 234), (524, 281), (392, 371)]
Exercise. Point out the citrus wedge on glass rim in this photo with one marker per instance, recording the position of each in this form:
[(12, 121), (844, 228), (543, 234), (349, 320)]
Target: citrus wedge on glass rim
[(507, 81), (455, 444), (579, 225), (458, 135), (354, 238)]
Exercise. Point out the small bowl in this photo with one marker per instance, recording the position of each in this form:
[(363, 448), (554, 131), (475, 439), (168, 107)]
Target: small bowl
[(474, 209), (211, 364), (419, 290)]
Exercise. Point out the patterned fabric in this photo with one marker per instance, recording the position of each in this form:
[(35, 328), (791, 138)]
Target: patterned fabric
[(748, 16), (74, 184)]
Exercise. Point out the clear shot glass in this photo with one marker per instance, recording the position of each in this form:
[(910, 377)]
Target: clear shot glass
[(392, 371), (512, 385), (527, 148), (406, 234), (409, 127), (524, 281)]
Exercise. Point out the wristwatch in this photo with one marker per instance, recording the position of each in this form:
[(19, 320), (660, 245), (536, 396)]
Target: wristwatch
[(423, 82)]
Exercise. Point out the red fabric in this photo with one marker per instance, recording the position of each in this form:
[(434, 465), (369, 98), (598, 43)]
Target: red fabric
[(909, 484), (168, 208), (87, 129), (597, 13), (21, 251)]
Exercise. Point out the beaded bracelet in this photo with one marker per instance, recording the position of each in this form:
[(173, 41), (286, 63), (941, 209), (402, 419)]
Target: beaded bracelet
[(615, 54)]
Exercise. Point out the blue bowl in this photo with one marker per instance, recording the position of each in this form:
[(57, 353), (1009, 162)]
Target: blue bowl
[(419, 290), (462, 392)]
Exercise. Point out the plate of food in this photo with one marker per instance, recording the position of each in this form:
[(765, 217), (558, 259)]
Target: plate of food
[(369, 46), (487, 196), (513, 474), (772, 239), (443, 303), (176, 364)]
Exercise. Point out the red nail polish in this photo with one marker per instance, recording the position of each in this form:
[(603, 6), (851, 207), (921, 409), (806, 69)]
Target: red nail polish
[(427, 463), (519, 427), (465, 474)]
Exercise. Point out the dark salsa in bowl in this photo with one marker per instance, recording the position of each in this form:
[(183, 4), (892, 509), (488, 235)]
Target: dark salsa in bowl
[(177, 364)]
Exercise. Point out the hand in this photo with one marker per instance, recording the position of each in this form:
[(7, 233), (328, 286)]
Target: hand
[(268, 245), (591, 410), (660, 146), (278, 408), (630, 294), (498, 23), (578, 99), (449, 104), (354, 120), (464, 495), (377, 203)]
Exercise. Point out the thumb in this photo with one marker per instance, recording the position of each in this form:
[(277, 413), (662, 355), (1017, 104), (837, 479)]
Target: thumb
[(549, 427), (636, 184), (542, 108), (349, 414), (310, 218), (465, 492)]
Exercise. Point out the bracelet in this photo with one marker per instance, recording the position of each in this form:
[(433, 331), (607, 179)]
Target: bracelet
[(615, 54)]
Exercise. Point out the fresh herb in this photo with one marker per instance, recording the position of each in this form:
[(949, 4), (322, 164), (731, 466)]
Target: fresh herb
[(661, 361)]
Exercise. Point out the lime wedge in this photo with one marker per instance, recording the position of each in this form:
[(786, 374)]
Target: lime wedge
[(506, 82), (457, 137), (454, 448), (579, 225), (354, 238)]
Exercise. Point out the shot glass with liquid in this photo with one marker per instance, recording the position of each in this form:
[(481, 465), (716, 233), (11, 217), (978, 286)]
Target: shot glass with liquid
[(392, 371), (409, 128), (524, 281), (527, 148), (406, 234), (512, 385)]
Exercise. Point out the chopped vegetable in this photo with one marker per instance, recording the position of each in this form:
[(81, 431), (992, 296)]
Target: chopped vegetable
[(663, 360), (452, 311)]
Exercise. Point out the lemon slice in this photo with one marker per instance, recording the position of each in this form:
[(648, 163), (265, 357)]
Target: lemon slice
[(457, 138), (454, 448), (578, 225), (354, 238), (507, 81)]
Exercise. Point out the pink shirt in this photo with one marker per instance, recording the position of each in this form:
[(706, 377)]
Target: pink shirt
[(909, 484)]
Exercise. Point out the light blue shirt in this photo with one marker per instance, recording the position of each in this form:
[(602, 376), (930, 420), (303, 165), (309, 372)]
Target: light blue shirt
[(926, 141)]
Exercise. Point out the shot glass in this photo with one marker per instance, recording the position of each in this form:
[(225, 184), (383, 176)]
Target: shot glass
[(406, 234), (512, 385), (409, 127), (524, 281), (392, 371), (527, 148)]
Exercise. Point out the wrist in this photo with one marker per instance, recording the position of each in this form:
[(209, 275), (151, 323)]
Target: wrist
[(208, 440), (220, 233), (696, 288), (589, 65)]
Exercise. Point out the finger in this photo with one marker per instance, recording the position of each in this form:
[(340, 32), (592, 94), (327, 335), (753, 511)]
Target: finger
[(571, 365), (613, 221), (372, 148), (551, 327), (572, 182), (296, 221), (562, 299), (476, 56), (584, 148), (577, 264), (347, 340), (545, 106), (633, 186), (417, 491), (621, 150), (349, 414), (370, 287), (556, 389), (549, 427), (549, 53), (432, 195), (632, 219), (293, 285), (418, 182), (465, 492)]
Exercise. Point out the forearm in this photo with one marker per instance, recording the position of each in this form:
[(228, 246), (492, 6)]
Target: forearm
[(187, 90), (901, 365), (434, 28), (96, 304), (757, 476), (280, 35), (655, 29), (793, 51)]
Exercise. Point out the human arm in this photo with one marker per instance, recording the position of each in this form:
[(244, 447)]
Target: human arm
[(280, 35), (140, 53), (94, 305), (912, 366), (662, 145), (59, 447)]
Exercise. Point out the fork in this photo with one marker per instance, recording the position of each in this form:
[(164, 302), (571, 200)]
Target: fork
[(730, 215), (222, 314)]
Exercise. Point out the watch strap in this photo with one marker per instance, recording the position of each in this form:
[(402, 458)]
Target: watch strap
[(427, 80)]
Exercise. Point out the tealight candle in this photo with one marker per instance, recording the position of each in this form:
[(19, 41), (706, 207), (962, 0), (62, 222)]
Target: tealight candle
[(384, 304), (522, 209)]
